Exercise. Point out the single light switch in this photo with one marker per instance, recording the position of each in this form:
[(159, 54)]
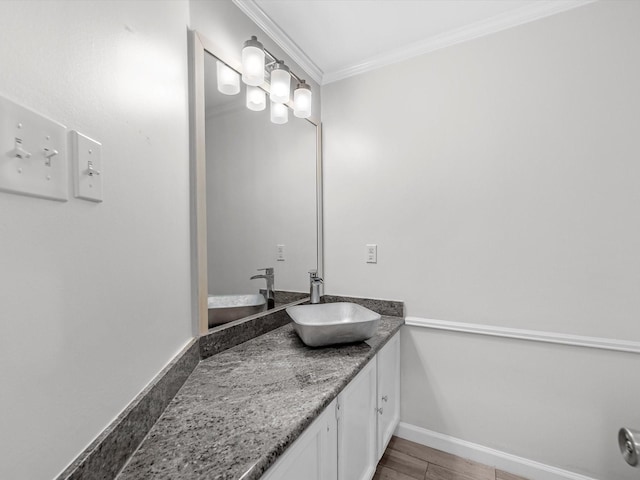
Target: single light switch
[(33, 154), (87, 167)]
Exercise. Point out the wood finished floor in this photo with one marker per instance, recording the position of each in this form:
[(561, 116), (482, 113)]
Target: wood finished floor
[(405, 460)]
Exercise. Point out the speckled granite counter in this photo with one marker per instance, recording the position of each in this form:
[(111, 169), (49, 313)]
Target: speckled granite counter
[(240, 409)]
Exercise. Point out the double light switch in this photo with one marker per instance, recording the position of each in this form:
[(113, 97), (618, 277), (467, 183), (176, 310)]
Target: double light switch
[(33, 157)]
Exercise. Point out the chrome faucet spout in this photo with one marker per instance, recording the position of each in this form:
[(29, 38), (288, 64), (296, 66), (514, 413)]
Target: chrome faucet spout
[(269, 276)]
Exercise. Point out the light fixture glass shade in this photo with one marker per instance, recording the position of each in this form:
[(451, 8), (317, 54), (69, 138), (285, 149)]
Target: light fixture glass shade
[(280, 83), (253, 63), (228, 79), (256, 99), (279, 113), (302, 100)]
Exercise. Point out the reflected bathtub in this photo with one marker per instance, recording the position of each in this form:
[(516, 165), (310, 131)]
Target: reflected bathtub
[(227, 308)]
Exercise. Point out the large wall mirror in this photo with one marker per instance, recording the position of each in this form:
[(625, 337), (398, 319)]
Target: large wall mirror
[(257, 198)]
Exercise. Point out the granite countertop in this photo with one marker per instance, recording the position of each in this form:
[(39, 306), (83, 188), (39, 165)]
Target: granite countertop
[(241, 408)]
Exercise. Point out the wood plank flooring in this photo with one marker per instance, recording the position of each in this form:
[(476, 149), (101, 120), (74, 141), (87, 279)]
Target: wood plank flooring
[(405, 460)]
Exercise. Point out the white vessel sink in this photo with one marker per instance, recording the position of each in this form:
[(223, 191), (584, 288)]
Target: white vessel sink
[(333, 323)]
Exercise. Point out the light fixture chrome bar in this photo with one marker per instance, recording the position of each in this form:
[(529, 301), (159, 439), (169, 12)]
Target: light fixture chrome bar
[(276, 60), (297, 77), (273, 57)]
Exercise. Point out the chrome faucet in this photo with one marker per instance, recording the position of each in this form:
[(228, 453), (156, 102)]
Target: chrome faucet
[(269, 276), (315, 281)]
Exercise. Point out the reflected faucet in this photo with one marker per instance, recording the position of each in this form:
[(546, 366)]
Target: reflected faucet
[(269, 276), (315, 282)]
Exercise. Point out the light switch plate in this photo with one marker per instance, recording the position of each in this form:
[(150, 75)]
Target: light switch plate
[(33, 155), (87, 167)]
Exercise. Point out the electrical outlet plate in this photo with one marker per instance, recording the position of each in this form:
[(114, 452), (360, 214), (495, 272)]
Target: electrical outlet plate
[(87, 167), (280, 253), (33, 157), (372, 253)]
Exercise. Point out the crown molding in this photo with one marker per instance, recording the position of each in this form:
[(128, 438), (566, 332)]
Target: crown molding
[(251, 9), (613, 344), (541, 9)]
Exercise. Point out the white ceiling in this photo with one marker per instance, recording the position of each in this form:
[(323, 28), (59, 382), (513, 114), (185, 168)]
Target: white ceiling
[(334, 39)]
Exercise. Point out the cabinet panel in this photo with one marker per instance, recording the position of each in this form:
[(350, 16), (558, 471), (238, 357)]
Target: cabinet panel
[(388, 360), (357, 427), (313, 455)]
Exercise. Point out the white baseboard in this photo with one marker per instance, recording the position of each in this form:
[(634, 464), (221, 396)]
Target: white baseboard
[(485, 455)]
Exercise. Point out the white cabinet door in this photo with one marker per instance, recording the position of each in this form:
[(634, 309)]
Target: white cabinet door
[(313, 456), (388, 360), (357, 426)]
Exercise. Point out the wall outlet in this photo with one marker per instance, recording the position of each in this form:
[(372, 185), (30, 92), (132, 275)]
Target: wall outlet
[(280, 253), (372, 253)]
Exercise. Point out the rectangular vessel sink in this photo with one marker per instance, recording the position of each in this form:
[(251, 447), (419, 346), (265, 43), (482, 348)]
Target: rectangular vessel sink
[(333, 323)]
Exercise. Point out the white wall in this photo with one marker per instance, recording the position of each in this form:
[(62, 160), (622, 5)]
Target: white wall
[(499, 178), (95, 298)]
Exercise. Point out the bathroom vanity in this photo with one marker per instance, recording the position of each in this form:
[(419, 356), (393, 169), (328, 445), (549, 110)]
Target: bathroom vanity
[(274, 408), (348, 438)]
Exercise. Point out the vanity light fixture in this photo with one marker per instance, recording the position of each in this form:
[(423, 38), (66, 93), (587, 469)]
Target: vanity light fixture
[(256, 98), (302, 100), (279, 113), (253, 62), (228, 79), (253, 75)]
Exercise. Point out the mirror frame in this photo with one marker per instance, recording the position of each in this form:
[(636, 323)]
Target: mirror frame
[(199, 46)]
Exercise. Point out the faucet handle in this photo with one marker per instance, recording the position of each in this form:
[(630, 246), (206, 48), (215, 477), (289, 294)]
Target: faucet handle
[(313, 274), (267, 270)]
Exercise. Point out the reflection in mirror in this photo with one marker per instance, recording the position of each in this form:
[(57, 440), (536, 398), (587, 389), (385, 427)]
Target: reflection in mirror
[(260, 202)]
